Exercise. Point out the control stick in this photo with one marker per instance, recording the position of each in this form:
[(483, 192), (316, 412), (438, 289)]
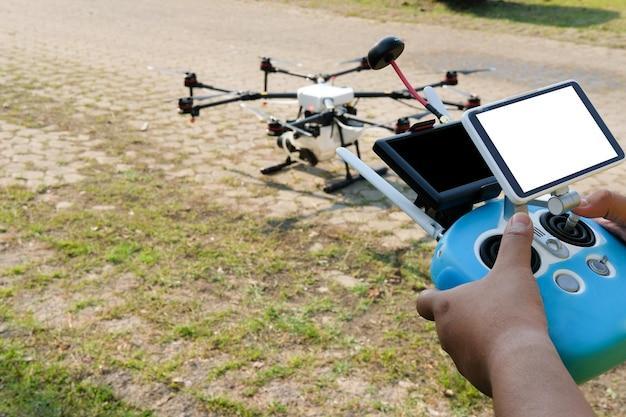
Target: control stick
[(570, 223)]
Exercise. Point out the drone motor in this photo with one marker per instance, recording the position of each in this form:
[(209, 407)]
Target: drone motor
[(191, 80), (402, 125), (452, 78)]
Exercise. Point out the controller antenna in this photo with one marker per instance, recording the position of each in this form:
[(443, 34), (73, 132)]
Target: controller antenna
[(384, 53)]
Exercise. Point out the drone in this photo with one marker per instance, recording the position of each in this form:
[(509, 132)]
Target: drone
[(327, 115)]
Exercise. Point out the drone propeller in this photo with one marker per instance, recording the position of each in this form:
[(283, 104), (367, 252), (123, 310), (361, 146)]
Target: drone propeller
[(285, 102), (265, 117), (472, 71), (169, 71), (460, 92), (260, 114), (457, 71), (351, 61)]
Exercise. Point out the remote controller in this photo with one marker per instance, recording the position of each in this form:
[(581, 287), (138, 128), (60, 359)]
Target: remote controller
[(528, 146), (581, 274)]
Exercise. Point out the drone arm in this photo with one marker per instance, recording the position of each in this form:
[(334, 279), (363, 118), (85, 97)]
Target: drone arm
[(210, 87), (397, 94), (242, 97), (195, 110), (383, 94), (275, 96), (433, 85), (344, 72)]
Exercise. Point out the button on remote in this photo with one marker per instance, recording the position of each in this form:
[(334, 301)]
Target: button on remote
[(599, 266), (567, 283)]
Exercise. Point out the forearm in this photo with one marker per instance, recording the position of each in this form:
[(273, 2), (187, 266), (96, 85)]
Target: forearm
[(528, 379)]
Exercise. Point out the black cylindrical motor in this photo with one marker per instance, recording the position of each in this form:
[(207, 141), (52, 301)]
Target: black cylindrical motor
[(191, 80), (452, 78), (402, 125), (472, 102), (185, 105), (275, 129)]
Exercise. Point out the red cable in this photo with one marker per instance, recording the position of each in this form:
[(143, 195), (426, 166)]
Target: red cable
[(408, 85)]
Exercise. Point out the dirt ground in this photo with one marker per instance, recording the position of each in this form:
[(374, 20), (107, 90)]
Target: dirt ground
[(94, 59)]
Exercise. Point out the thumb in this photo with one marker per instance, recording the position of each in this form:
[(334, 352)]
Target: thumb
[(426, 303), (515, 246)]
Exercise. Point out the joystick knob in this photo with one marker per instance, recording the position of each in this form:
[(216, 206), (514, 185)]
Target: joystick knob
[(386, 50)]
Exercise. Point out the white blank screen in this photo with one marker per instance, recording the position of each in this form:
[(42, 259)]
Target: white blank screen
[(547, 137)]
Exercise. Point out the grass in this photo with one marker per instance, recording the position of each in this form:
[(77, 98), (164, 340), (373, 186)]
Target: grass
[(192, 246), (206, 305), (221, 251), (32, 388), (601, 22)]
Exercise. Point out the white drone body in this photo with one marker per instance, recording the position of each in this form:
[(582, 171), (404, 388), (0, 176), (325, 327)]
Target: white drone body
[(324, 145), (315, 98), (318, 98)]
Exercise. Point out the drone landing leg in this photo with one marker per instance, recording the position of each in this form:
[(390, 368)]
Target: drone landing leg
[(275, 168), (349, 180)]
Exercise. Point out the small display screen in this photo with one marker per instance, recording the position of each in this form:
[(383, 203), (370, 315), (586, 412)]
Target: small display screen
[(546, 138), (446, 157)]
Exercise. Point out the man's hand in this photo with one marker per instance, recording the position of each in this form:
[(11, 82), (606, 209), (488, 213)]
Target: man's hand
[(483, 319), (496, 333), (608, 209)]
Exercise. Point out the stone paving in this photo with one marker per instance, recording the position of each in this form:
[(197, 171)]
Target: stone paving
[(99, 63)]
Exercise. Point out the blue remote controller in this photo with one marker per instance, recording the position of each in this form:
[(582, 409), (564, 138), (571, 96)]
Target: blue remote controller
[(581, 273), (580, 268), (582, 282)]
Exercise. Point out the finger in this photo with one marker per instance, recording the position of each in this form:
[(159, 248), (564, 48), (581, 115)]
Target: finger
[(604, 203), (515, 246), (613, 227), (426, 303)]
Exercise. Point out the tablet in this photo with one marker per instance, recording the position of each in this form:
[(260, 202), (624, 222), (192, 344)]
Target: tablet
[(443, 167), (543, 140)]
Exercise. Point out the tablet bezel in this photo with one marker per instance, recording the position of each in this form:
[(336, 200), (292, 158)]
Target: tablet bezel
[(499, 167), (475, 191)]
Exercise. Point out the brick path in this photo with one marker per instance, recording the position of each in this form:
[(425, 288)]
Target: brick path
[(96, 56)]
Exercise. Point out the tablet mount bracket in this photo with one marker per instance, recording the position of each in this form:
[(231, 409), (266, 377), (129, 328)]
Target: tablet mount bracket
[(562, 201)]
